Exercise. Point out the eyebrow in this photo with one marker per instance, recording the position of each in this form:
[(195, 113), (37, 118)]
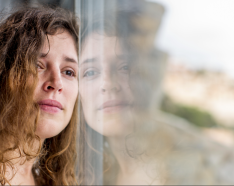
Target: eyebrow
[(89, 60), (122, 57), (43, 55), (68, 59), (65, 58)]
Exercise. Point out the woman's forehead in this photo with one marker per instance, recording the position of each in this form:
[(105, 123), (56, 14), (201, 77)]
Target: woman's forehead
[(98, 46), (99, 39)]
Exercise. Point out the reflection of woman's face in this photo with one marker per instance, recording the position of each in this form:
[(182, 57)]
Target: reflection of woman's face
[(57, 87), (106, 98)]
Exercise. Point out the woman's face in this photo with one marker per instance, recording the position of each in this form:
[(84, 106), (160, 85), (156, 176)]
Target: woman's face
[(106, 97), (57, 88)]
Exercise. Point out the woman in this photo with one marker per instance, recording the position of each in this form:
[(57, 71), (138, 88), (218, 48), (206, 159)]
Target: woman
[(38, 97)]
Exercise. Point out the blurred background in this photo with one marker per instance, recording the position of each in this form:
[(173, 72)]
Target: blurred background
[(199, 84)]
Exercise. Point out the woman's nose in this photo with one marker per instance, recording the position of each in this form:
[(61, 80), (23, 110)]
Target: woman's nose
[(53, 82), (109, 82)]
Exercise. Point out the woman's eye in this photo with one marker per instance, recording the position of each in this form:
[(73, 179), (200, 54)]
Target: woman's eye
[(39, 66), (69, 73), (90, 73), (125, 68)]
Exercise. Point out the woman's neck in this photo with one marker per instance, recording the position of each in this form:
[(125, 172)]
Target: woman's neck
[(20, 171), (134, 171), (126, 163)]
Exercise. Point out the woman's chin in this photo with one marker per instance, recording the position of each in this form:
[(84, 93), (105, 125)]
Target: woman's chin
[(114, 124), (48, 128)]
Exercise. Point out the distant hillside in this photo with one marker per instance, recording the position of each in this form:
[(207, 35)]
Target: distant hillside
[(206, 90)]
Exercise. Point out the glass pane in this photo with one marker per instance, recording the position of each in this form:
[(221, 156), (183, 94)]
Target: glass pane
[(140, 120)]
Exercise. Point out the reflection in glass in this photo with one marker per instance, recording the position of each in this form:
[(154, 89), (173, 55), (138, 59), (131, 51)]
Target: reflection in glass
[(124, 137)]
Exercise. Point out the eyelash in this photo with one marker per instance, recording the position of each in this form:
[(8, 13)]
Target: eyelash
[(124, 67), (39, 65), (73, 73), (86, 73)]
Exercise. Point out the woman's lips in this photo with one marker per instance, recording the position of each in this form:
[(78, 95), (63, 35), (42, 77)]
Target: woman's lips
[(115, 105), (51, 106)]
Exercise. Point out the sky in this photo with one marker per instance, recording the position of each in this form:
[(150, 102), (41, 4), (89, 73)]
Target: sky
[(199, 33)]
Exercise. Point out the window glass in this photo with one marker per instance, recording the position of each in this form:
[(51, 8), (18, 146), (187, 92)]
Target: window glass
[(155, 98)]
